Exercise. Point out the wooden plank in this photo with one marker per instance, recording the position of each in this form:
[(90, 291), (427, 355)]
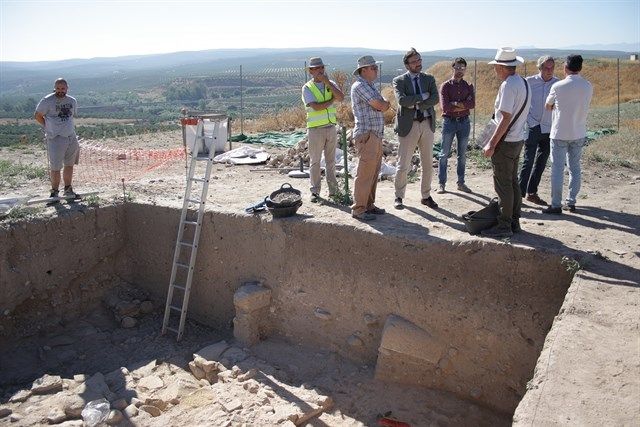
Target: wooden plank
[(81, 196)]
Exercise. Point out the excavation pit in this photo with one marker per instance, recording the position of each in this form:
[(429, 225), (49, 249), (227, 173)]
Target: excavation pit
[(458, 323)]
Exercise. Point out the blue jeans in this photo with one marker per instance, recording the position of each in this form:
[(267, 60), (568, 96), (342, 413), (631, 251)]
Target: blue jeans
[(536, 153), (453, 128), (570, 152)]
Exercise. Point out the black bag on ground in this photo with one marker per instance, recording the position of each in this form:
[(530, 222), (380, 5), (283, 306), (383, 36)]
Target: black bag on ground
[(487, 217)]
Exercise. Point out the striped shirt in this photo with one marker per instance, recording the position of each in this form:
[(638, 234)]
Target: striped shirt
[(367, 118), (538, 115)]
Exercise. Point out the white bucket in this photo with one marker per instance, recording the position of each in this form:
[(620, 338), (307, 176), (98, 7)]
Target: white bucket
[(215, 136)]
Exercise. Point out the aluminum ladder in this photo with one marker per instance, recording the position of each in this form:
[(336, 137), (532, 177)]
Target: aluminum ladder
[(187, 247)]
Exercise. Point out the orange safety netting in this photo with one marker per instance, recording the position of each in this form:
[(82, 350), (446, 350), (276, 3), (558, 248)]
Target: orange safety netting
[(105, 165)]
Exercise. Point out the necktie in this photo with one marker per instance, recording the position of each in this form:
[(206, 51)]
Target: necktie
[(419, 113)]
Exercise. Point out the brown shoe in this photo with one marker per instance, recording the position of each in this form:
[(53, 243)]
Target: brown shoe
[(534, 198), (364, 216), (429, 202), (376, 211)]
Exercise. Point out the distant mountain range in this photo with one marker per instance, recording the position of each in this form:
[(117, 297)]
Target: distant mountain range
[(624, 47), (21, 78)]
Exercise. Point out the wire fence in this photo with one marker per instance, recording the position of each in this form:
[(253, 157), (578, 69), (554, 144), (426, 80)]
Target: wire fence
[(258, 93)]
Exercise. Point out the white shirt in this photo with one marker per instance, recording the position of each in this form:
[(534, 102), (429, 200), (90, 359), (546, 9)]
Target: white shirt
[(570, 99), (538, 115), (511, 96)]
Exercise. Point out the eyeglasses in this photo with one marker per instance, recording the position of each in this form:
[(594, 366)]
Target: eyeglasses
[(415, 61), (460, 67)]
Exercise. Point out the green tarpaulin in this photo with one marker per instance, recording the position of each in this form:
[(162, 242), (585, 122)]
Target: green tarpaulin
[(276, 139)]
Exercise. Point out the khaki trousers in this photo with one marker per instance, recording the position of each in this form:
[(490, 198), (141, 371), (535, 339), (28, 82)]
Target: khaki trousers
[(369, 150), (322, 139), (422, 137)]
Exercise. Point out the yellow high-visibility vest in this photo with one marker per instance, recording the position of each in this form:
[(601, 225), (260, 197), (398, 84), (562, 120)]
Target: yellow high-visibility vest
[(317, 118)]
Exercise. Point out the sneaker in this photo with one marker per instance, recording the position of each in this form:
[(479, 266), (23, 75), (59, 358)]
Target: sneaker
[(515, 226), (534, 198), (398, 203), (69, 193), (315, 198), (441, 189), (498, 232), (552, 210), (570, 208), (376, 211), (54, 193), (364, 216), (463, 187), (429, 202)]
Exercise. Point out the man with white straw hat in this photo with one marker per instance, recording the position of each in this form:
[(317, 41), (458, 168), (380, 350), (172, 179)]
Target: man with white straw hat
[(318, 96), (511, 110), (368, 106)]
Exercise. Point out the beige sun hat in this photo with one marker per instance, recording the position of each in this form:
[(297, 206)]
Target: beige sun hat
[(507, 56), (365, 61)]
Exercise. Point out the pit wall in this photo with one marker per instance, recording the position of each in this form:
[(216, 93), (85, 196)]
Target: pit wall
[(488, 305), (53, 269)]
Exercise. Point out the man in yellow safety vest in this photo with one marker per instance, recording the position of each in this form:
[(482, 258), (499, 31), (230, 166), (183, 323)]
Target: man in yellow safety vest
[(318, 96)]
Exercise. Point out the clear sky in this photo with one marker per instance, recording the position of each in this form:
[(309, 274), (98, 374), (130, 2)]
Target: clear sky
[(34, 30)]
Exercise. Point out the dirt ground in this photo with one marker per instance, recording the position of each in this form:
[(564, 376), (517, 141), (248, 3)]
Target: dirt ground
[(578, 379)]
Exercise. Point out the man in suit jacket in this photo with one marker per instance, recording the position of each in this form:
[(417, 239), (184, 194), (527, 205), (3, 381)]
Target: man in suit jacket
[(416, 93)]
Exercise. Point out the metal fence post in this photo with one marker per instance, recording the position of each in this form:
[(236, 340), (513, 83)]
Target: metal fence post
[(306, 79), (618, 94), (241, 105), (345, 157), (475, 90)]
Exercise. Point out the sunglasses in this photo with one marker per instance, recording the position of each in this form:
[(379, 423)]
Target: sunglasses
[(460, 67), (317, 68)]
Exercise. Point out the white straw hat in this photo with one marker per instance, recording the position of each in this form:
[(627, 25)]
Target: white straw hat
[(507, 56)]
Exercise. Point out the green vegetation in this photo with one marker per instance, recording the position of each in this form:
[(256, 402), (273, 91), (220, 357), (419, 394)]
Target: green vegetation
[(478, 159), (93, 200), (412, 176), (11, 173), (191, 91), (341, 198), (571, 265), (12, 135), (23, 212)]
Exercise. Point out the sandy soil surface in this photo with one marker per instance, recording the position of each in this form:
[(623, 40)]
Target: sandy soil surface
[(589, 370)]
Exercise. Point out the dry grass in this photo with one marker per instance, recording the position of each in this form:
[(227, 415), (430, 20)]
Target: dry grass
[(621, 149), (601, 73), (285, 119)]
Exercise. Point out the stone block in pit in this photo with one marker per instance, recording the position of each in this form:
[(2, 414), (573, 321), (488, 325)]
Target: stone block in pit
[(252, 313), (407, 353), (251, 297)]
